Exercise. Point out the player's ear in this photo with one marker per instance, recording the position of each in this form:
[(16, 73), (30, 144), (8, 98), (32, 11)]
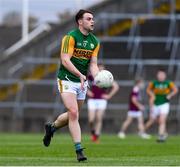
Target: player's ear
[(80, 21)]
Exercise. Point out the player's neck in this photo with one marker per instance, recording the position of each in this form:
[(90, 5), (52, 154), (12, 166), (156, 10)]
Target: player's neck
[(83, 31)]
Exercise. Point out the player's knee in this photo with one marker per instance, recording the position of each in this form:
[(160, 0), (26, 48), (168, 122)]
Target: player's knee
[(73, 114), (141, 127), (161, 121), (91, 121), (128, 121), (151, 121), (98, 119)]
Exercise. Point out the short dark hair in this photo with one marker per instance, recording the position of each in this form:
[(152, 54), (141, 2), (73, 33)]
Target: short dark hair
[(80, 14), (100, 64), (161, 70), (138, 80)]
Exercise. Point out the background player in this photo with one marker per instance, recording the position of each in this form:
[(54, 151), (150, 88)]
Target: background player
[(136, 109), (160, 91), (79, 52), (97, 104)]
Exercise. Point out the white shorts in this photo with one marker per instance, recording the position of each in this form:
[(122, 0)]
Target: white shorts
[(97, 104), (72, 87), (135, 114), (160, 109)]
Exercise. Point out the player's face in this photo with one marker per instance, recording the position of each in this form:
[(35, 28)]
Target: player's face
[(87, 22), (141, 85), (161, 76)]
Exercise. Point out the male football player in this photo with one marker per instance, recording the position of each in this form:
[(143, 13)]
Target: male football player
[(136, 109), (160, 92), (97, 104), (79, 50)]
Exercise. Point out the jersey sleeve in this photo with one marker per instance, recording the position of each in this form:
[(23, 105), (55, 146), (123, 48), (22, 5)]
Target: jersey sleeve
[(96, 50), (134, 94), (67, 45), (171, 85)]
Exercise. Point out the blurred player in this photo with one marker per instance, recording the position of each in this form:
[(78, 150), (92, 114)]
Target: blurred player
[(97, 104), (79, 52), (160, 91), (136, 109)]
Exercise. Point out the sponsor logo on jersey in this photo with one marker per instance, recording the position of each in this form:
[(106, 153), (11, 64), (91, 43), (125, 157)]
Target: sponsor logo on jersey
[(161, 86), (82, 53), (161, 89)]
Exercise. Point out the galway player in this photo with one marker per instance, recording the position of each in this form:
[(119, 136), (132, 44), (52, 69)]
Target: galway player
[(136, 109), (97, 104)]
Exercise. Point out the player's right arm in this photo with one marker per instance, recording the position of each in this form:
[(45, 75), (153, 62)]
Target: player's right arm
[(137, 103), (90, 93), (67, 49), (93, 64), (150, 92), (113, 91), (174, 90)]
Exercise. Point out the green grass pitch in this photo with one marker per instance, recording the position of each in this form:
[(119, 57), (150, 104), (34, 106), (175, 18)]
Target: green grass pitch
[(27, 149)]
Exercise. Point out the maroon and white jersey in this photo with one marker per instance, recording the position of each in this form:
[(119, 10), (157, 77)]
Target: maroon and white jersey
[(98, 92), (135, 92)]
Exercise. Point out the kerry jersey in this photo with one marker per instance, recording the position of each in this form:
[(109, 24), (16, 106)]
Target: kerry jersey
[(161, 90), (82, 48)]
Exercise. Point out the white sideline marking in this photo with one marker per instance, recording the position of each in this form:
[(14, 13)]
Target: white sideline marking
[(91, 158)]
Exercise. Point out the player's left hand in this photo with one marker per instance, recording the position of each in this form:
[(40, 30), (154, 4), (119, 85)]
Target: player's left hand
[(82, 79), (142, 107), (106, 96), (168, 97)]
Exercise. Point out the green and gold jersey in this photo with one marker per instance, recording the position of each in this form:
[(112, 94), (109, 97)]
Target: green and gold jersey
[(161, 90), (81, 48)]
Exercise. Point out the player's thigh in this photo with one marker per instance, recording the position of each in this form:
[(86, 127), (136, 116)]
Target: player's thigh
[(140, 119), (154, 113), (68, 91), (100, 114), (91, 115), (101, 104), (162, 118), (164, 109), (134, 114), (81, 93), (163, 112), (69, 104), (129, 119), (92, 105)]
